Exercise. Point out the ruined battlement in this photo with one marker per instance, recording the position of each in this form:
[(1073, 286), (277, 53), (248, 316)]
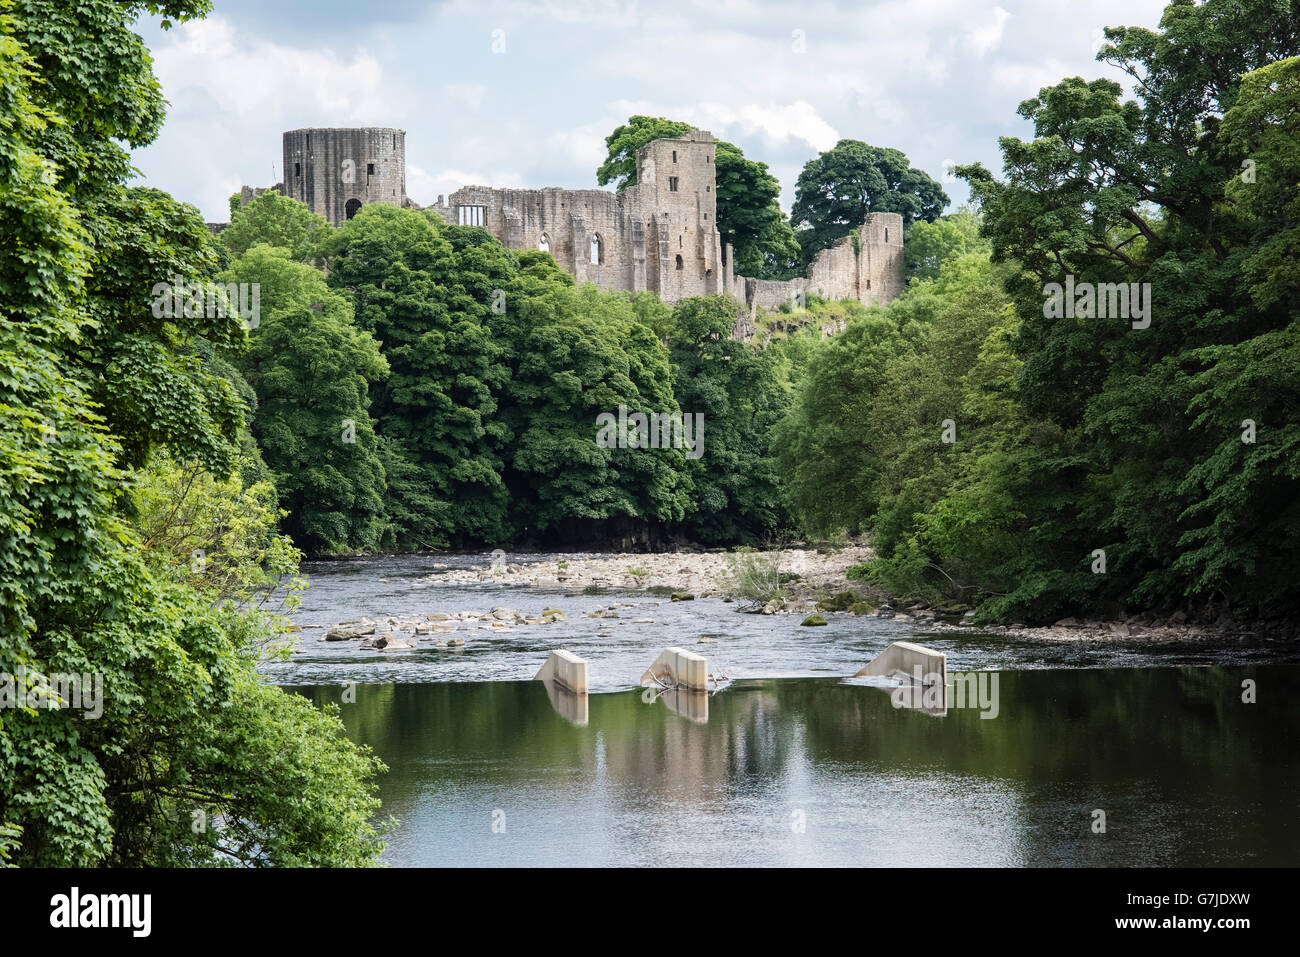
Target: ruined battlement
[(659, 234)]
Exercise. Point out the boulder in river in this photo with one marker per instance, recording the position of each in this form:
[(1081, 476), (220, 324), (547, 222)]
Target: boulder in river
[(813, 620), (343, 633)]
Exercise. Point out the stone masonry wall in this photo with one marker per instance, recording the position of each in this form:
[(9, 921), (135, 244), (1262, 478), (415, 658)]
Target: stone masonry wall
[(659, 234), (337, 171), (872, 273)]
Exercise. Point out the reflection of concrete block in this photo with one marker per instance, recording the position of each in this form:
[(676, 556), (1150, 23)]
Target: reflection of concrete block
[(905, 658), (694, 707), (566, 669), (569, 706), (680, 669)]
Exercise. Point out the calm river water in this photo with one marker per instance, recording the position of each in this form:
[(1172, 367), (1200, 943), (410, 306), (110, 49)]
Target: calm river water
[(792, 763)]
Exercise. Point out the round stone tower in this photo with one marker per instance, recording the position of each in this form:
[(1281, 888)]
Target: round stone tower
[(337, 171)]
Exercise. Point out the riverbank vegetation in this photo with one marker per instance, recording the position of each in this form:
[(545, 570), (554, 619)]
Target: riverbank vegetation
[(140, 550)]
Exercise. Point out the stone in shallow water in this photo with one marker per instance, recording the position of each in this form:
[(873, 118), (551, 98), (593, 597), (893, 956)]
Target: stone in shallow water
[(348, 634)]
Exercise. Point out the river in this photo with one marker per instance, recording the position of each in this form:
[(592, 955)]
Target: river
[(794, 763)]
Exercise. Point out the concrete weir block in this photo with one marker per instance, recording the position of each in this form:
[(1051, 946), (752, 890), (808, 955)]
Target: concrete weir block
[(910, 661), (566, 670), (679, 668)]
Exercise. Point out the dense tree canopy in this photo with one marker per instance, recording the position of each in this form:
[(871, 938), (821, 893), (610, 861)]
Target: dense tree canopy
[(838, 188), (311, 369), (185, 728), (1117, 456)]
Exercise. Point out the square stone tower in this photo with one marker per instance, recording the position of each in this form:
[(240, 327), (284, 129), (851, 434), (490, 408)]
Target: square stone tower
[(675, 194)]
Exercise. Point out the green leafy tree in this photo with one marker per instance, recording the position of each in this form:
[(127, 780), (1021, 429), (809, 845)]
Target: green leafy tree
[(276, 220), (185, 724), (928, 247), (736, 387), (427, 292), (311, 369), (838, 188), (581, 353), (1148, 461)]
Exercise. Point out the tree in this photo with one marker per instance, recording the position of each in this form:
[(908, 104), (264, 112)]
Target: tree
[(427, 292), (928, 246), (581, 353), (1146, 411), (311, 369), (276, 220), (838, 188), (736, 389), (185, 725)]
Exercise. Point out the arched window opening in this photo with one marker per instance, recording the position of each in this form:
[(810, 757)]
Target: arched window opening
[(351, 207), (679, 262), (597, 250), (544, 244)]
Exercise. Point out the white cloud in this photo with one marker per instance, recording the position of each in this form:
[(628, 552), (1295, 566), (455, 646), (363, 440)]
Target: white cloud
[(1026, 79), (257, 76), (585, 145), (797, 121), (985, 39), (425, 187)]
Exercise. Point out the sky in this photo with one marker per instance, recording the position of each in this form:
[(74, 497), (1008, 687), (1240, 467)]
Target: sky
[(514, 93)]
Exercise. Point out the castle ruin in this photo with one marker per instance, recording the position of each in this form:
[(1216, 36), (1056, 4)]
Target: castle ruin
[(659, 234)]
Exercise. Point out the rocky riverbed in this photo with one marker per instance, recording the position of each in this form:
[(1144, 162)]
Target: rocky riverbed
[(804, 573), (811, 583)]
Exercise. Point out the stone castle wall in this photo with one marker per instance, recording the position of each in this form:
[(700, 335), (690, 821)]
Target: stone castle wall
[(659, 234), (870, 270)]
